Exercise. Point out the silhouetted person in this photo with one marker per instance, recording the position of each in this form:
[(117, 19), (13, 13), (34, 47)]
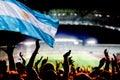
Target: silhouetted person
[(9, 51), (44, 72), (107, 60), (31, 73), (3, 70), (66, 65), (82, 76)]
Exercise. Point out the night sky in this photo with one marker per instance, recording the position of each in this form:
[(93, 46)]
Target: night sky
[(108, 5)]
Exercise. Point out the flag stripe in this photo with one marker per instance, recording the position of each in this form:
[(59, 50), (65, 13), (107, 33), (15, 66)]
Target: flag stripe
[(5, 9)]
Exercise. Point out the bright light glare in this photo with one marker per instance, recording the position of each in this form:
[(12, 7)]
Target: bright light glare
[(28, 43), (75, 41), (91, 41)]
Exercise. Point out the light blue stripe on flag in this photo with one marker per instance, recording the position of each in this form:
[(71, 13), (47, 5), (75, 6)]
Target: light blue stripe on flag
[(15, 16)]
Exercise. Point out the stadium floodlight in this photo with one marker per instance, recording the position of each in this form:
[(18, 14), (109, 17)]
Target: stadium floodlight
[(75, 41), (28, 43), (72, 40), (91, 41)]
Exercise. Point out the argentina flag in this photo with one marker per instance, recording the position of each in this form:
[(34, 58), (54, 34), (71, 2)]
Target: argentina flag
[(17, 17)]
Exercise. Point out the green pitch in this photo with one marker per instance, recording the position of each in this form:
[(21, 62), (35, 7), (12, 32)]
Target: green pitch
[(79, 59)]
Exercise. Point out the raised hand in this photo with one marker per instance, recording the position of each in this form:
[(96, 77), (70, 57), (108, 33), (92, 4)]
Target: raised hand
[(32, 58), (36, 64), (20, 54), (115, 58), (101, 63), (107, 60), (66, 65), (106, 53), (57, 66), (114, 63), (70, 61), (67, 53), (38, 61)]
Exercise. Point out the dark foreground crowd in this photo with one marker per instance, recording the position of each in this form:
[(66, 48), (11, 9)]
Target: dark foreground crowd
[(108, 68)]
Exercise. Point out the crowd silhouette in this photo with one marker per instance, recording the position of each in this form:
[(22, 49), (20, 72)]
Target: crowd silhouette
[(108, 68)]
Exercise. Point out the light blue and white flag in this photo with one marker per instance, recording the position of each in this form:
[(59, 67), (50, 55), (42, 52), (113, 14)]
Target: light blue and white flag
[(15, 16)]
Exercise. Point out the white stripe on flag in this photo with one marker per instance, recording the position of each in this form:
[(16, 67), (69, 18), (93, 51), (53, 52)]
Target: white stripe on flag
[(5, 9)]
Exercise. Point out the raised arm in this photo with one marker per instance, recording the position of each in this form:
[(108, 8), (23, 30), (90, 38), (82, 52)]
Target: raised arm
[(31, 73), (9, 51), (31, 61), (115, 67), (107, 60), (36, 63), (20, 54), (66, 65)]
